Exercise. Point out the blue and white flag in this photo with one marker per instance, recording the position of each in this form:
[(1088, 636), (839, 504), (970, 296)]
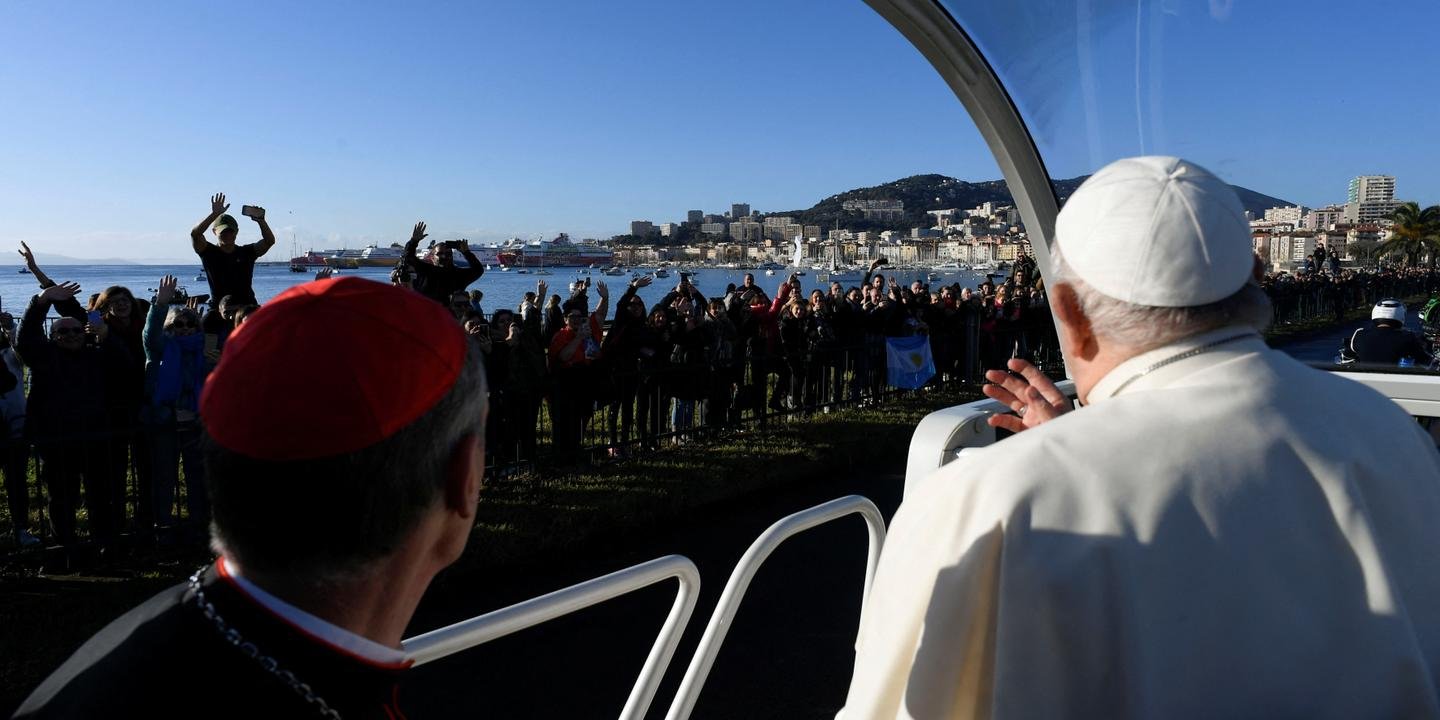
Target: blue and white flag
[(908, 362)]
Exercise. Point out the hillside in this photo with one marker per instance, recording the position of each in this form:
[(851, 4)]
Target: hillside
[(937, 192)]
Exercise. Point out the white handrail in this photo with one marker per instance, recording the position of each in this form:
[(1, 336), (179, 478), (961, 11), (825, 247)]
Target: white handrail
[(466, 634), (940, 436), (745, 570)]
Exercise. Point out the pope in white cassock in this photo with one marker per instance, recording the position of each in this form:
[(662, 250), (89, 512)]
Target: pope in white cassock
[(1219, 532)]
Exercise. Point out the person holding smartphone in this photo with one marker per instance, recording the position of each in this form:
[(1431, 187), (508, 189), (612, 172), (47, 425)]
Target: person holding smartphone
[(230, 268), (443, 278)]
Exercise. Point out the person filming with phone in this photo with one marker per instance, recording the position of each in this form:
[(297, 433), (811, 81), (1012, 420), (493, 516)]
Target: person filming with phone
[(442, 279), (230, 268)]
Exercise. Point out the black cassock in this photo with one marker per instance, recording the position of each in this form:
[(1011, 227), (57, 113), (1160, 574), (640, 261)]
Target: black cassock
[(166, 659)]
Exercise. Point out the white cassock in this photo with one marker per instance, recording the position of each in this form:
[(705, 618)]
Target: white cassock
[(1232, 535)]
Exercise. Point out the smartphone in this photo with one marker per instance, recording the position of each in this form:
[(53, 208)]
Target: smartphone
[(253, 211)]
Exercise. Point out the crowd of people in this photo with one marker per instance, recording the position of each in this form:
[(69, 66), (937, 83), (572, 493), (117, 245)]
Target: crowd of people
[(573, 378), (633, 373), (1327, 291)]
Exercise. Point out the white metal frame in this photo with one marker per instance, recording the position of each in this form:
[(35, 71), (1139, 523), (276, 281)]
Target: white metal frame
[(1418, 394), (744, 572), (942, 435), (464, 635)]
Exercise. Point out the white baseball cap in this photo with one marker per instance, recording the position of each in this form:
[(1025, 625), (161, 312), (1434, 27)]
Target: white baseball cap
[(1156, 231)]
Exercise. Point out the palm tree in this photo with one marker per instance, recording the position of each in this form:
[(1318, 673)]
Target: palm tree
[(1414, 234)]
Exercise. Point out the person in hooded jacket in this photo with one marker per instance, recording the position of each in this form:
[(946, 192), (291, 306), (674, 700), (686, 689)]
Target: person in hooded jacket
[(175, 370)]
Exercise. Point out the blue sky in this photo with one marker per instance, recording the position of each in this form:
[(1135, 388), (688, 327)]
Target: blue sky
[(490, 119)]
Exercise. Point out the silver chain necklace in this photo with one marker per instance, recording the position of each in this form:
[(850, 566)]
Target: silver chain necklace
[(232, 636), (1207, 347)]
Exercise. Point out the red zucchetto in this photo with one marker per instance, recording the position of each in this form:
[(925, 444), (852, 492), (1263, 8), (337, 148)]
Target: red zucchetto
[(330, 367)]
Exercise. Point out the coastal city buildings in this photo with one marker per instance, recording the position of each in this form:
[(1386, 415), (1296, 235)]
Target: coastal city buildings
[(1370, 198), (991, 233), (1371, 188), (1287, 237)]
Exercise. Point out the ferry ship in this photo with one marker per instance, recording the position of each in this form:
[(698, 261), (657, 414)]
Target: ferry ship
[(563, 252), (368, 256), (311, 260), (504, 255)]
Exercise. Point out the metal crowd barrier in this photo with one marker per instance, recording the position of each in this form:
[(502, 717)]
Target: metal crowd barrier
[(464, 635), (744, 572)]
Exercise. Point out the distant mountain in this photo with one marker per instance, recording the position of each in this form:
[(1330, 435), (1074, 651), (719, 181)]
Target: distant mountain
[(921, 193), (48, 259)]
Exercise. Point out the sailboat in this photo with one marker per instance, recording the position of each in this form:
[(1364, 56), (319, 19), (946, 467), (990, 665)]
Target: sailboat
[(835, 272), (296, 265), (541, 270)]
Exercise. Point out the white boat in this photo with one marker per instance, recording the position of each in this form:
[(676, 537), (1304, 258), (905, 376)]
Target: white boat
[(662, 273), (770, 271), (614, 270)]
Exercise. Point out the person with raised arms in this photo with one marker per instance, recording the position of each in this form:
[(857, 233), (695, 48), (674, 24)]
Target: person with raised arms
[(230, 268), (441, 279)]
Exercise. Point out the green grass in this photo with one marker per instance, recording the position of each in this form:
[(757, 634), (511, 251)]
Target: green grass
[(528, 515)]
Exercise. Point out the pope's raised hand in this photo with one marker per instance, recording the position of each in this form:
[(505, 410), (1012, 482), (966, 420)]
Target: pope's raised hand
[(1028, 392)]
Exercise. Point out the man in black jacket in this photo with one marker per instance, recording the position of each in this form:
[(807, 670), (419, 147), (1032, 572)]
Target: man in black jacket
[(71, 378), (442, 279), (1386, 341)]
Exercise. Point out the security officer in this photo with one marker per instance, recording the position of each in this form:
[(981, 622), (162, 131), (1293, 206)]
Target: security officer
[(1386, 341)]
